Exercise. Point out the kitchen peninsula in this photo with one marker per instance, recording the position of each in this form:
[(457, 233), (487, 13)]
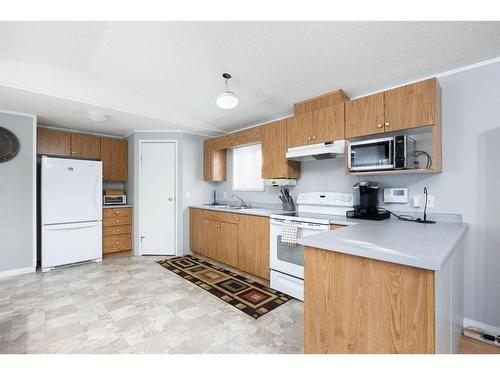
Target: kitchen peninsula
[(384, 287)]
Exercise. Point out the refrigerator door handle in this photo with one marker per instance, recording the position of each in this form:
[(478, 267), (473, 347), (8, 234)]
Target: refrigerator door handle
[(72, 226)]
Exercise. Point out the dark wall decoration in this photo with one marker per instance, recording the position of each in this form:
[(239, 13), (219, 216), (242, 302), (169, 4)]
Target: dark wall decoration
[(9, 145)]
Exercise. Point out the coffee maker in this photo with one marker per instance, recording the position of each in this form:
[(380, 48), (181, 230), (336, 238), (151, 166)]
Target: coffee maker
[(366, 202)]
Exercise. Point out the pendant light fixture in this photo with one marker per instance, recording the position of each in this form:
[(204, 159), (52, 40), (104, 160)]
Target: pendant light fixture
[(227, 99)]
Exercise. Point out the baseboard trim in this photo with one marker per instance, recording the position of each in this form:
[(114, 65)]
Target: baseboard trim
[(492, 330), (16, 271)]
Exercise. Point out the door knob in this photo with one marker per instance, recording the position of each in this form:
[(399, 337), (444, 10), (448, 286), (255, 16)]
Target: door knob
[(387, 124), (170, 199), (379, 126)]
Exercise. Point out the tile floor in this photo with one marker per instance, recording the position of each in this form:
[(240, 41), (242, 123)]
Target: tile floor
[(131, 304)]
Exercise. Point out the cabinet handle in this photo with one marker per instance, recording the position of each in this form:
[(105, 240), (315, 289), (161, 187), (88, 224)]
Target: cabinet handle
[(117, 221), (117, 243), (387, 124), (118, 230), (73, 152), (314, 137), (308, 138), (69, 152), (200, 212), (237, 219), (379, 126), (117, 212)]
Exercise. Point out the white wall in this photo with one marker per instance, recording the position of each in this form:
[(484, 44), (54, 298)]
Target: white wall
[(469, 184), (190, 181), (17, 198)]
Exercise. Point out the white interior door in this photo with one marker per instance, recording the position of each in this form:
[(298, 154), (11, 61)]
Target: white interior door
[(157, 205)]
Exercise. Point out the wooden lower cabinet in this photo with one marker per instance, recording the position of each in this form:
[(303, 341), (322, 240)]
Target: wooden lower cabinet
[(253, 245), (358, 305), (195, 229), (240, 241), (116, 230)]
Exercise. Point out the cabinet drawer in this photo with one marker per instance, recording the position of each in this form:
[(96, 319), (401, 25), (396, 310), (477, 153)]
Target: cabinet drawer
[(113, 244), (221, 216), (118, 220), (120, 229), (117, 212)]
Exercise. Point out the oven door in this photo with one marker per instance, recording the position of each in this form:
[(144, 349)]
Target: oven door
[(372, 154), (288, 259)]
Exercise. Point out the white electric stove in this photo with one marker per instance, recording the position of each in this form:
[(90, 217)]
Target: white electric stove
[(314, 212)]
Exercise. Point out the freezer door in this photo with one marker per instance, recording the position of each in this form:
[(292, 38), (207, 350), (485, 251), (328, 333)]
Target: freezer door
[(71, 190), (71, 243)]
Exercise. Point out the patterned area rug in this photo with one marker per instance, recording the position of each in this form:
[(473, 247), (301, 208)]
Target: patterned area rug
[(246, 295)]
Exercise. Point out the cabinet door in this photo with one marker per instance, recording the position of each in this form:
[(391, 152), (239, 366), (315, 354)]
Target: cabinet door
[(85, 146), (227, 243), (253, 245), (51, 142), (208, 238), (411, 106), (300, 129), (114, 156), (214, 162), (328, 123), (274, 147), (207, 160), (364, 116), (195, 230)]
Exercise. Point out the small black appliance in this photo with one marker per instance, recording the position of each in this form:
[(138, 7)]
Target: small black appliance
[(366, 202)]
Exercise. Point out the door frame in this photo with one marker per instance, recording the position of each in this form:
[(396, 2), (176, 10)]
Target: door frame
[(139, 195)]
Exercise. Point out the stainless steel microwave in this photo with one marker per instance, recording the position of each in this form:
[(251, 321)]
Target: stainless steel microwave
[(397, 152)]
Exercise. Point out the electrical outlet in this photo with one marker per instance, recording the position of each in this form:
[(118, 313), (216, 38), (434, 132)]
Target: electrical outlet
[(416, 201), (430, 201)]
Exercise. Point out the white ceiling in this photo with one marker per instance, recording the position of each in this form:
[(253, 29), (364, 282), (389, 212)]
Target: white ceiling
[(166, 75)]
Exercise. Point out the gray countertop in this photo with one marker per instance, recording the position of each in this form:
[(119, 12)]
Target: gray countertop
[(255, 211), (425, 246)]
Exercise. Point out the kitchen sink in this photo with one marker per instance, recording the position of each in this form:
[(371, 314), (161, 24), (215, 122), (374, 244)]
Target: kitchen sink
[(228, 206)]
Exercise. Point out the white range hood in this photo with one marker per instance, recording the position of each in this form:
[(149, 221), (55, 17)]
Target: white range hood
[(328, 150)]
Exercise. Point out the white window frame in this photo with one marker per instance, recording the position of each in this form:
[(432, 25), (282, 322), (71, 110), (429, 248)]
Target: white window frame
[(235, 152)]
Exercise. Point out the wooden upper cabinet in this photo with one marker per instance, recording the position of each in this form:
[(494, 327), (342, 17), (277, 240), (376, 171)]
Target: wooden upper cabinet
[(328, 123), (411, 106), (52, 142), (300, 129), (274, 147), (405, 107), (214, 162), (85, 146), (364, 116), (243, 137), (318, 120), (114, 156)]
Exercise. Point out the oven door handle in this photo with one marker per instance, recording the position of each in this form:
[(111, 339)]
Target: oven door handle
[(319, 227)]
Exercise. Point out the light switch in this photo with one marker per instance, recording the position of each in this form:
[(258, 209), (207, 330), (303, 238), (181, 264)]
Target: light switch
[(188, 195)]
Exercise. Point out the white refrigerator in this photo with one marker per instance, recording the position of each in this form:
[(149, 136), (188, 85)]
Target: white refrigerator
[(71, 211)]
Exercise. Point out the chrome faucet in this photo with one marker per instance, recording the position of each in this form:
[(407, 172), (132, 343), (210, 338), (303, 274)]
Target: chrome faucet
[(243, 203)]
